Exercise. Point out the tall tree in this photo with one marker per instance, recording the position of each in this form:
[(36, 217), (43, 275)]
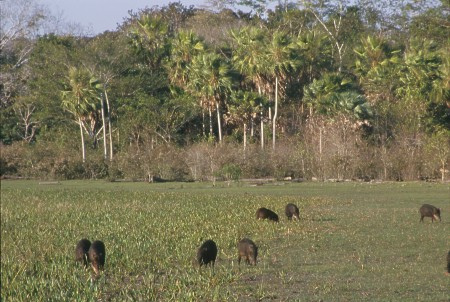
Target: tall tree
[(250, 59), (80, 99), (282, 61), (329, 16), (212, 78), (184, 47)]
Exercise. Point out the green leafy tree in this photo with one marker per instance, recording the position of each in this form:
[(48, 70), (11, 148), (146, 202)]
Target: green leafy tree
[(315, 52), (184, 47), (149, 37), (377, 66), (250, 59), (211, 77), (81, 99), (423, 87), (243, 110), (282, 61)]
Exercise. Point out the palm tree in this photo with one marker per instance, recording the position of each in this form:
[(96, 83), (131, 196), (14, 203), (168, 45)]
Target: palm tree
[(250, 59), (376, 65), (212, 79), (315, 50), (243, 109), (281, 62), (80, 99), (149, 38), (184, 47)]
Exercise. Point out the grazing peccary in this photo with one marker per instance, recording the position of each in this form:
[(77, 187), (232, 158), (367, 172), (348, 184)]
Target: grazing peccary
[(81, 251), (291, 210), (428, 210), (248, 250), (97, 255), (207, 253), (448, 263), (263, 213)]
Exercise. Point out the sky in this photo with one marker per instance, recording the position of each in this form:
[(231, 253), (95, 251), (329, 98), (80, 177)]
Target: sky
[(101, 15)]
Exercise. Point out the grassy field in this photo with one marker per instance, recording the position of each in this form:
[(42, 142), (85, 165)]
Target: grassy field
[(354, 241)]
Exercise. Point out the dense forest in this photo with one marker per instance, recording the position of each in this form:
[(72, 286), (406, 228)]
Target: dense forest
[(241, 89)]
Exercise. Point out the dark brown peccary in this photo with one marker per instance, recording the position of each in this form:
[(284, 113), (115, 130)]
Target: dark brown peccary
[(97, 255), (248, 250), (428, 210), (207, 253), (292, 211), (81, 251), (448, 263), (263, 213)]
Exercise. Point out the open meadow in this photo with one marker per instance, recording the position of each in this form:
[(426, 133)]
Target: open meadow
[(354, 241)]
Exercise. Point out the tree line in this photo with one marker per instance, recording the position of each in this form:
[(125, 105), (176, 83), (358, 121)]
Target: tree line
[(308, 89)]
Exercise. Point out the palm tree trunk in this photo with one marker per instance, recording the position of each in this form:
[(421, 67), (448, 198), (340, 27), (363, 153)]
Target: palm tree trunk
[(219, 126), (203, 123), (262, 129), (203, 119), (105, 152), (262, 123), (109, 128), (210, 122), (275, 113), (245, 137), (83, 150)]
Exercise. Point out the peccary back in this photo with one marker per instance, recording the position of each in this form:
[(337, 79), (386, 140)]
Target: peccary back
[(81, 251), (428, 210), (292, 211), (248, 250), (207, 253), (263, 213), (97, 255)]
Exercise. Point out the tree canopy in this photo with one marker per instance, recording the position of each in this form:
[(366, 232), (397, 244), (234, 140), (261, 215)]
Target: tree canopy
[(311, 71)]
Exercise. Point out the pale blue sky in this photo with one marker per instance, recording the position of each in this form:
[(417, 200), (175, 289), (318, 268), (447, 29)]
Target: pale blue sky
[(101, 15)]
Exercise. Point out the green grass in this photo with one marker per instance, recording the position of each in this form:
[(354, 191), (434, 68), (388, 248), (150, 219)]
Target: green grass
[(354, 242)]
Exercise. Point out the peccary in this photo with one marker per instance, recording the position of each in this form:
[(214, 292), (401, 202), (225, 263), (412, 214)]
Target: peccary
[(247, 249), (81, 251), (448, 263), (97, 255), (263, 213), (292, 211), (207, 253), (428, 210)]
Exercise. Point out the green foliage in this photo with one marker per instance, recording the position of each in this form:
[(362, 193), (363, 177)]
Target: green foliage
[(315, 54), (168, 71), (334, 93), (149, 38)]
